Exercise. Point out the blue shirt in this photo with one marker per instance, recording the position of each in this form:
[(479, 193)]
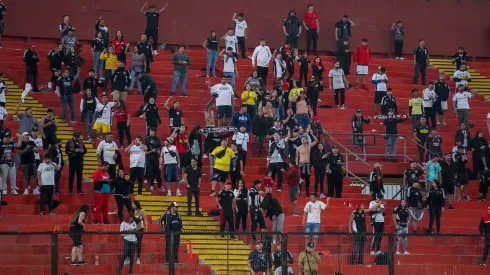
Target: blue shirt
[(433, 169)]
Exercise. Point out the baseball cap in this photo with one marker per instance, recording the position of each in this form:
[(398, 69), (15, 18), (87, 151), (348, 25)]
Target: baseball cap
[(310, 244), (170, 140), (358, 111), (25, 134), (33, 46), (76, 134), (174, 204), (315, 118)]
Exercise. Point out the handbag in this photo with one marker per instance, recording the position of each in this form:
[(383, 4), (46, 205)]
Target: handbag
[(311, 272)]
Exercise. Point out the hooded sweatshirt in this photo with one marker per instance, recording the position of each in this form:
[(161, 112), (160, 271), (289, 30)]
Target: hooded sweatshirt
[(292, 23)]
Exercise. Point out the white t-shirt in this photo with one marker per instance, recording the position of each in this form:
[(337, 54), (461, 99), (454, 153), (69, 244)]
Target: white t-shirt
[(167, 158), (314, 210), (429, 98), (463, 75), (488, 116), (241, 139), (378, 217), (229, 64), (240, 28), (461, 100), (3, 89), (380, 86), (279, 67), (3, 113), (47, 173), (230, 41), (263, 55), (39, 142), (106, 117), (128, 227), (224, 92), (109, 150), (337, 77), (137, 157)]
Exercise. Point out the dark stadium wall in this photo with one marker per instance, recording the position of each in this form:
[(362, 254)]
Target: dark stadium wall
[(444, 24)]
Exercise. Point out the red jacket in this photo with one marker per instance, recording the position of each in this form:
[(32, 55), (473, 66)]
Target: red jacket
[(362, 56), (293, 176)]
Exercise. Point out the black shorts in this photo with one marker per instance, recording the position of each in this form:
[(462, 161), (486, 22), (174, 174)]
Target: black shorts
[(461, 179), (378, 96), (292, 39), (2, 26), (225, 111), (184, 160), (220, 176), (76, 239), (448, 188)]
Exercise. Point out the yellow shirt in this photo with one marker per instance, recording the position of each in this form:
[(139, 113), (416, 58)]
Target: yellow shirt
[(110, 61), (294, 93), (416, 104), (251, 100), (223, 164)]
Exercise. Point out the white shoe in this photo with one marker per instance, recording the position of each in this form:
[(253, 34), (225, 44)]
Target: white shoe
[(406, 253), (145, 181), (169, 193), (319, 100), (126, 262), (401, 58), (397, 253), (13, 192), (36, 192), (26, 192), (372, 253), (378, 252), (397, 58), (4, 192), (204, 156), (138, 261), (178, 193), (155, 52), (50, 85), (151, 189), (322, 196)]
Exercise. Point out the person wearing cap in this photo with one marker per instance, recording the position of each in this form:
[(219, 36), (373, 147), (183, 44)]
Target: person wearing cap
[(358, 138), (391, 134), (380, 81), (31, 58), (461, 104), (169, 163), (338, 83), (7, 164), (227, 204), (429, 97), (335, 174), (309, 260), (27, 149), (171, 222), (103, 117), (315, 86), (102, 190), (75, 149), (292, 29), (65, 90), (441, 87), (421, 60), (258, 260), (435, 201), (401, 220), (242, 118), (388, 102), (277, 260), (377, 211), (45, 180), (484, 229), (130, 241), (461, 175), (48, 128), (415, 205), (343, 30), (344, 56), (254, 203), (357, 226), (57, 158)]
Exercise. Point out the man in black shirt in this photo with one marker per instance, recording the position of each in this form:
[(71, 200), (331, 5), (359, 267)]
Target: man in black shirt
[(3, 11), (357, 226), (236, 166), (171, 222), (276, 129), (64, 89), (65, 27), (175, 115), (192, 177), (461, 176), (27, 150), (420, 134), (145, 48), (152, 17), (226, 203), (357, 133), (461, 57), (447, 174), (411, 176), (391, 126), (101, 27), (334, 172), (153, 151), (7, 164), (442, 91), (433, 143), (484, 182), (31, 58), (75, 149), (421, 60), (414, 200), (92, 83), (292, 30), (259, 259), (120, 82)]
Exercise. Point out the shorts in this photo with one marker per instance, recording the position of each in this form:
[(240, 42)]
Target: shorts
[(293, 40), (358, 140), (293, 193), (29, 169), (312, 227), (461, 179), (184, 160), (378, 96), (102, 127), (121, 95), (76, 239), (448, 188), (444, 105), (220, 176), (171, 173), (362, 70), (224, 111)]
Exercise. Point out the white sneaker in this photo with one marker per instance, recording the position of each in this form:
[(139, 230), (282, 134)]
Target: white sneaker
[(322, 196), (36, 192), (155, 52), (138, 261), (13, 192), (151, 189), (204, 156), (406, 253), (126, 262), (4, 192), (397, 58), (397, 253), (178, 193), (372, 253), (378, 252), (26, 192), (169, 193), (402, 58), (50, 85), (146, 181), (161, 189)]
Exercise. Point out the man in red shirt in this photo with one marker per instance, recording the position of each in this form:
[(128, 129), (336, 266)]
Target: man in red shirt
[(362, 56), (102, 190), (310, 22), (294, 177), (183, 147)]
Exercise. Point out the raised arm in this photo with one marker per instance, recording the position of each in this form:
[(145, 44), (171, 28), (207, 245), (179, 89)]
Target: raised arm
[(162, 9), (143, 8)]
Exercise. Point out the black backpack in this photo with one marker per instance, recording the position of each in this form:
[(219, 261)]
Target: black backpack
[(381, 259)]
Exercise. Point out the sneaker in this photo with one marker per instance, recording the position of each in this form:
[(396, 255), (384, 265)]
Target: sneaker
[(73, 121), (294, 214), (184, 95), (126, 262), (372, 252), (397, 253), (322, 196), (58, 193), (178, 263), (378, 252), (222, 237), (204, 156), (397, 58), (74, 263), (99, 137), (36, 192), (402, 58), (1, 47), (483, 264), (151, 189), (234, 238), (52, 213), (138, 261), (80, 193), (155, 52), (95, 222), (406, 253), (90, 141), (178, 193), (450, 207), (161, 189), (41, 214), (107, 222), (14, 192), (82, 262), (199, 214), (212, 194), (467, 198), (279, 190), (169, 193), (4, 192)]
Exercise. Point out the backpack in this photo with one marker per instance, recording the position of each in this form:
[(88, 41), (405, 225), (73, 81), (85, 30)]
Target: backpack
[(381, 259)]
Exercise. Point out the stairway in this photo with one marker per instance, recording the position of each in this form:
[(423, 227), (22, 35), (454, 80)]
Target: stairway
[(479, 83)]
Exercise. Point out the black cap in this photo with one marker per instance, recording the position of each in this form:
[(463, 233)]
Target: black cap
[(391, 110), (310, 244), (380, 196), (345, 16), (358, 111), (460, 147), (76, 134)]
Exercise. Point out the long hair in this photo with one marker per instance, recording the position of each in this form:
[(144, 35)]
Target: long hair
[(137, 204), (438, 184), (83, 208), (400, 204), (194, 134), (122, 35)]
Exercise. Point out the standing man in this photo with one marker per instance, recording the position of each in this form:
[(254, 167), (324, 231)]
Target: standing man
[(75, 149), (106, 151), (171, 223), (292, 30), (224, 101), (169, 163), (152, 17), (254, 204), (442, 92), (362, 56), (462, 105), (31, 58), (229, 64), (27, 150), (153, 152), (311, 217), (259, 261), (120, 82), (3, 12), (221, 168), (103, 117), (145, 48), (45, 180), (260, 60), (192, 177), (241, 32), (461, 175), (358, 138), (377, 211), (398, 34), (102, 190), (7, 165), (421, 61), (357, 226), (175, 114), (485, 232), (337, 82), (226, 203), (309, 260), (343, 30), (312, 27), (181, 63), (335, 175), (137, 163), (65, 91), (430, 97), (303, 153)]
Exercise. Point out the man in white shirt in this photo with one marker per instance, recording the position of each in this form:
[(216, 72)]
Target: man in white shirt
[(229, 64), (231, 41), (39, 143), (263, 55), (337, 82), (462, 76), (241, 30), (429, 97), (311, 217), (45, 180), (169, 163), (224, 101), (103, 117), (3, 90), (106, 151), (377, 209), (137, 159), (379, 79), (461, 104)]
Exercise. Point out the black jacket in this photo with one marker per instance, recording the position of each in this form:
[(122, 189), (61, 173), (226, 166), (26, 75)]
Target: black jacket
[(391, 125), (414, 197), (31, 58), (277, 258), (375, 185), (357, 123), (65, 85), (92, 83), (259, 126), (146, 49), (147, 84), (441, 89), (477, 143), (292, 24), (121, 186), (459, 136), (55, 59), (273, 208), (152, 115), (120, 79), (75, 158), (387, 103), (303, 64), (171, 223), (436, 197), (54, 156), (319, 159)]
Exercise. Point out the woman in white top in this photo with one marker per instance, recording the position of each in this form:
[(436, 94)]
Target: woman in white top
[(130, 241)]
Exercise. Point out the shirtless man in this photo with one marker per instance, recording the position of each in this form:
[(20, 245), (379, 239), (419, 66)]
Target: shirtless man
[(303, 110), (209, 113), (303, 160), (268, 110)]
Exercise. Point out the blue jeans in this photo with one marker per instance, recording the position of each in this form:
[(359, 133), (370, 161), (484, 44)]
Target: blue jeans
[(89, 118), (233, 76), (179, 77), (98, 65), (278, 113), (135, 70), (391, 142), (211, 66), (303, 120), (68, 99), (415, 120), (211, 164), (312, 227)]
